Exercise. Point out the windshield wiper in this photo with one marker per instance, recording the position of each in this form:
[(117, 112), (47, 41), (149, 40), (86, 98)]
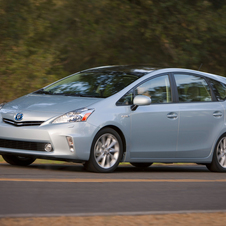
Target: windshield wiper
[(42, 91), (80, 95), (73, 94)]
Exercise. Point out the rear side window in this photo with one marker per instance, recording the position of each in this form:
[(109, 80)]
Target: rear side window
[(192, 88), (219, 90)]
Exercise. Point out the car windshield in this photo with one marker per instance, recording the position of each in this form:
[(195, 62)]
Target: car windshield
[(100, 84)]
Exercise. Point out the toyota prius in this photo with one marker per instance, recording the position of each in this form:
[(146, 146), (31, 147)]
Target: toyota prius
[(103, 116)]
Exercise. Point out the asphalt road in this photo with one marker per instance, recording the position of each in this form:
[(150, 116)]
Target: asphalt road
[(44, 189)]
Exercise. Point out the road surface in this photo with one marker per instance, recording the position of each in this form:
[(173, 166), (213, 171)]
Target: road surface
[(67, 189)]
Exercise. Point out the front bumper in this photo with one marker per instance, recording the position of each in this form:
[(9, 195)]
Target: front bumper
[(82, 134)]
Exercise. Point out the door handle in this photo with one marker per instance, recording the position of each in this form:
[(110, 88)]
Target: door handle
[(172, 115), (217, 114)]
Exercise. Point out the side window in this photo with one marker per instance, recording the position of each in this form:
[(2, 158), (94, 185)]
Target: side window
[(127, 99), (158, 89), (219, 89), (192, 88)]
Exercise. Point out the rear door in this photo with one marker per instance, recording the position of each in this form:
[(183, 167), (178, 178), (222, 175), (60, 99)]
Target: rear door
[(201, 117)]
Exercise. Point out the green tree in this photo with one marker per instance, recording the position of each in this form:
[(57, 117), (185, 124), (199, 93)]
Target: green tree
[(43, 40), (27, 56)]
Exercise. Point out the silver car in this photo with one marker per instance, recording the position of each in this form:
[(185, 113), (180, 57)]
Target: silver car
[(107, 115)]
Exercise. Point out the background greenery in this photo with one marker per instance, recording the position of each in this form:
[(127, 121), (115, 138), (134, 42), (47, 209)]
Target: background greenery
[(44, 40)]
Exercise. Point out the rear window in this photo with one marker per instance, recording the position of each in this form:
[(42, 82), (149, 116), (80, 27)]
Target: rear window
[(219, 90)]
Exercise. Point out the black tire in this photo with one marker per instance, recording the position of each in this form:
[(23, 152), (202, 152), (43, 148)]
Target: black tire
[(18, 160), (103, 158), (218, 163), (141, 164)]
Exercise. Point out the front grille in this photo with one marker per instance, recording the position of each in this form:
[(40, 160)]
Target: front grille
[(30, 123), (25, 145)]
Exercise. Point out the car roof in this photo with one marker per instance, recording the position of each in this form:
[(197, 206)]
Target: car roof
[(209, 75), (138, 70), (141, 70)]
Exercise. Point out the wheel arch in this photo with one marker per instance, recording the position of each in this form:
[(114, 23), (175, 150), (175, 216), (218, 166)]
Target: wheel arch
[(216, 142), (215, 165)]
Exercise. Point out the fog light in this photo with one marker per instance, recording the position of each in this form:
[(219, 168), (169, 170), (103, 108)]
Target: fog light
[(70, 143), (48, 147)]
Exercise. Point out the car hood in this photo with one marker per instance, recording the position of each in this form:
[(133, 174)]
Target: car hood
[(36, 107)]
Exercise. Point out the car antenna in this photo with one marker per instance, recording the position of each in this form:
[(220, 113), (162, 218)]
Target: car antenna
[(200, 67)]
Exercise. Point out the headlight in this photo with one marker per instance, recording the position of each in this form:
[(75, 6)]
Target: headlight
[(79, 115)]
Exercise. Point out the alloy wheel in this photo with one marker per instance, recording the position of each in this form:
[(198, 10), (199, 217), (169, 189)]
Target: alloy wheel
[(221, 152), (106, 150)]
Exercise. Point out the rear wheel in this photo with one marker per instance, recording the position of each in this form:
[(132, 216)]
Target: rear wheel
[(218, 163), (141, 164), (106, 152), (18, 160)]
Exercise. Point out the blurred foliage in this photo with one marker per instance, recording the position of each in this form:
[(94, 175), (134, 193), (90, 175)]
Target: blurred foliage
[(44, 40)]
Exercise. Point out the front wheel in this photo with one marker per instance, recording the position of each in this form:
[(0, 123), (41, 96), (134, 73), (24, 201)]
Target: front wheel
[(106, 152), (18, 160), (218, 163)]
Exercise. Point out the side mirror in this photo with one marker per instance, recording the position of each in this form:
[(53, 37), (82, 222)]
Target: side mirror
[(140, 100)]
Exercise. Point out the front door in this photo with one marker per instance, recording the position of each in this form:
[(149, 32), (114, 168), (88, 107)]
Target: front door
[(154, 128)]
